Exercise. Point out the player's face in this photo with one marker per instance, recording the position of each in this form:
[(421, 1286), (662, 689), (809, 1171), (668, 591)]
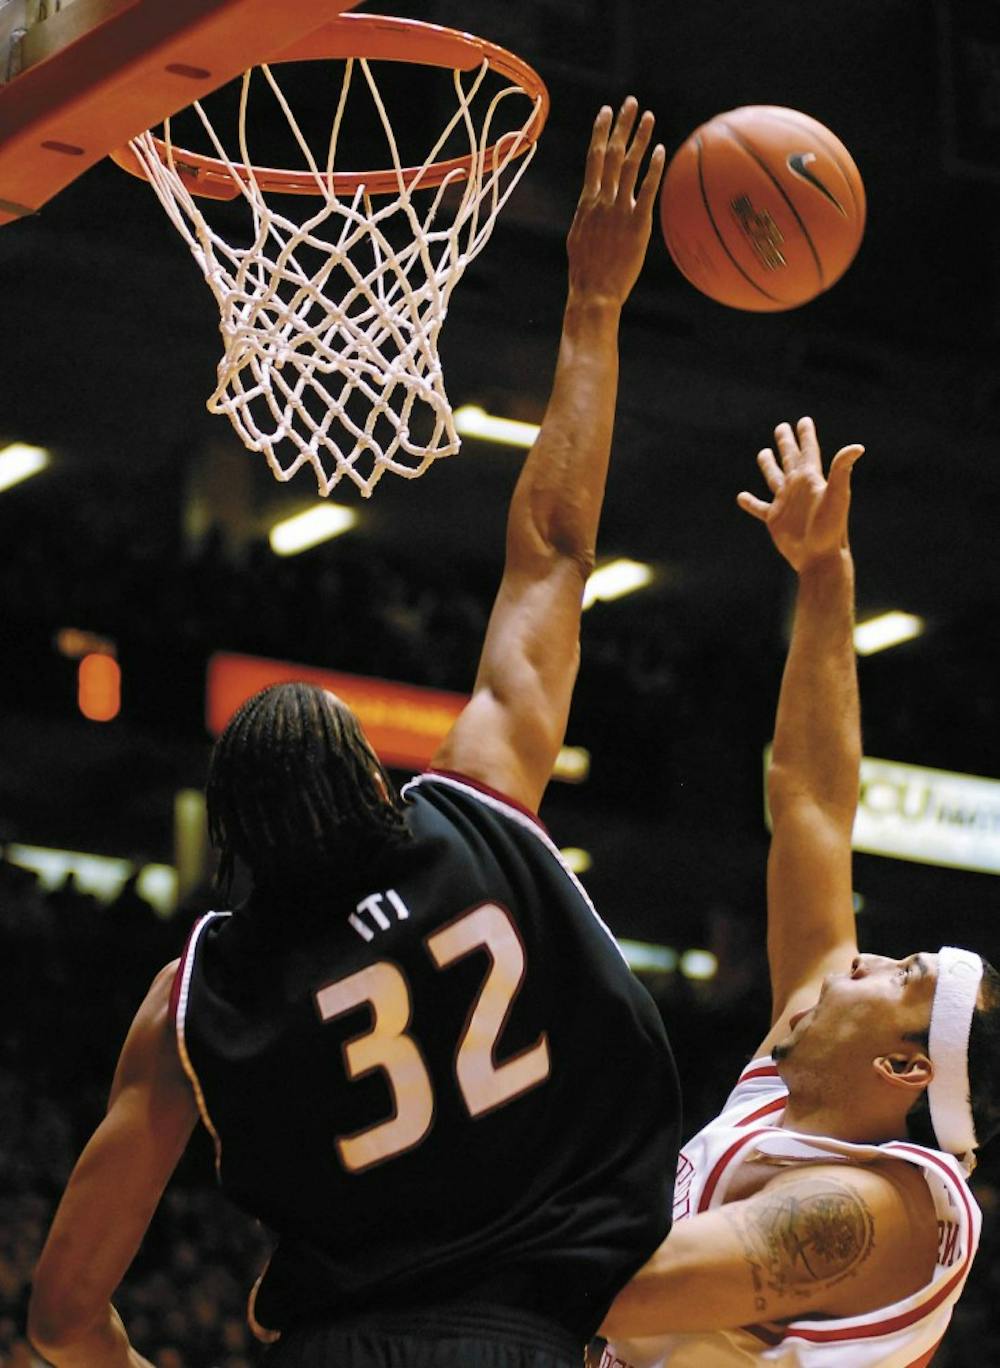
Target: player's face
[(876, 1004)]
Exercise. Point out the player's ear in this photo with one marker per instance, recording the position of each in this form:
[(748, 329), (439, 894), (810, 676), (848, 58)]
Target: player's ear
[(910, 1071)]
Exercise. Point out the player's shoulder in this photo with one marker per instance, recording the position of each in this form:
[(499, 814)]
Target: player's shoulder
[(887, 1198), (156, 1004), (437, 785), (886, 1183), (882, 1210), (898, 1178), (445, 801), (149, 1046)]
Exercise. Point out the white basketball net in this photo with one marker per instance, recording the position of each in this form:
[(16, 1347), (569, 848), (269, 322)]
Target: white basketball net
[(330, 334)]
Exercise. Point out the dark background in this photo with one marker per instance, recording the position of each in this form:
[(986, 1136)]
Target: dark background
[(109, 346)]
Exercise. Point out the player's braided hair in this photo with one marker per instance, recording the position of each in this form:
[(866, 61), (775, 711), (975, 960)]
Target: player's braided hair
[(984, 1070), (295, 791)]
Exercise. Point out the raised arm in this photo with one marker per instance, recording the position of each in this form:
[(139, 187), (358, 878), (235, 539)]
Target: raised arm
[(814, 774), (111, 1196), (510, 733)]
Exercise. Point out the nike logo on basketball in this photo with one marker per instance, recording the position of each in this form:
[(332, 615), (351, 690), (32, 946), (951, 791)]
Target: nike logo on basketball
[(798, 162)]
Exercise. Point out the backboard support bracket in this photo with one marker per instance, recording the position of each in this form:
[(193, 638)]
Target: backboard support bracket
[(95, 73)]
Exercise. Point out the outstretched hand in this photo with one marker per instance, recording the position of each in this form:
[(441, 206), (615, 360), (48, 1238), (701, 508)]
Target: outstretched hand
[(610, 231), (807, 517)]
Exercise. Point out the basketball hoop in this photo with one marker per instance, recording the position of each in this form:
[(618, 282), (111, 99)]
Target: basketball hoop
[(330, 325)]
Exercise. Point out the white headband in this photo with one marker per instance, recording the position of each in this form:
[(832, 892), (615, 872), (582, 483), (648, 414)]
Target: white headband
[(960, 973)]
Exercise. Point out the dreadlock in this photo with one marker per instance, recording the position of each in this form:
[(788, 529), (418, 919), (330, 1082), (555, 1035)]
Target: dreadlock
[(295, 791), (984, 1070)]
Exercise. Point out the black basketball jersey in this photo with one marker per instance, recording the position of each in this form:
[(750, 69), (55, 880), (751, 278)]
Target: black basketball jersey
[(453, 1089)]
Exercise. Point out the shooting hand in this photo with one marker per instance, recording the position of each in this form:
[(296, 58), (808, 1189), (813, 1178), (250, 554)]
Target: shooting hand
[(807, 516)]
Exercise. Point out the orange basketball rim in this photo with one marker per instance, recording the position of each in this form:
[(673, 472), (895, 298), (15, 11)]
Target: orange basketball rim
[(101, 72)]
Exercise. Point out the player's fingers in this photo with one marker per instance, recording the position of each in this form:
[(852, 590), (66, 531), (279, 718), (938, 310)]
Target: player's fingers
[(615, 154), (757, 508), (843, 463), (651, 180), (635, 154), (837, 500), (788, 447), (805, 431), (770, 469), (847, 456), (596, 153)]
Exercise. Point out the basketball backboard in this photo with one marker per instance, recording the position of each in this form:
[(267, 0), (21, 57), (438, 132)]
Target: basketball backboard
[(80, 78)]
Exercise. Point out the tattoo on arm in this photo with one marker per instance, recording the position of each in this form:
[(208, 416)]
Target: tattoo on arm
[(803, 1235)]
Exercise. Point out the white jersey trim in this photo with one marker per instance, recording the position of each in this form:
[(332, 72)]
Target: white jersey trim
[(180, 1021)]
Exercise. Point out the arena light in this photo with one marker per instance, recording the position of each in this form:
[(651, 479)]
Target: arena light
[(614, 580), (18, 462), (101, 875), (699, 965), (888, 629), (99, 687), (473, 421), (74, 643), (315, 525), (157, 883), (645, 958), (572, 764), (579, 860)]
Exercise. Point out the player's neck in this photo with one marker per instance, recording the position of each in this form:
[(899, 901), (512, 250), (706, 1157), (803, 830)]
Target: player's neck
[(851, 1120)]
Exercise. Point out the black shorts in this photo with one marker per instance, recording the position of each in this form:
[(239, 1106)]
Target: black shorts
[(471, 1336)]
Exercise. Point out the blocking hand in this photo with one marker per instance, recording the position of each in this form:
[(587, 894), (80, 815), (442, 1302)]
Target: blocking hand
[(610, 231), (807, 517)]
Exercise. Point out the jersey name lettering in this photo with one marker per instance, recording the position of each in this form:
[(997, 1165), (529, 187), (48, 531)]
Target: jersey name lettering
[(682, 1187), (949, 1249), (370, 915)]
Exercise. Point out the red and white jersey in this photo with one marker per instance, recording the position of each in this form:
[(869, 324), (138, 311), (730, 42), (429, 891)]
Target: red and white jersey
[(904, 1334)]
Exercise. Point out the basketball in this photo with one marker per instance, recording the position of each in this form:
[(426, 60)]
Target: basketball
[(762, 208)]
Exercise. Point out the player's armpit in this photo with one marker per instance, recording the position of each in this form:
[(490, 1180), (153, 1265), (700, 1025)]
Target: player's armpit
[(835, 1241)]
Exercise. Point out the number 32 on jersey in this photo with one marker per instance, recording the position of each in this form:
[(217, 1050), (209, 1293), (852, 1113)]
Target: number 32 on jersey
[(387, 1045)]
